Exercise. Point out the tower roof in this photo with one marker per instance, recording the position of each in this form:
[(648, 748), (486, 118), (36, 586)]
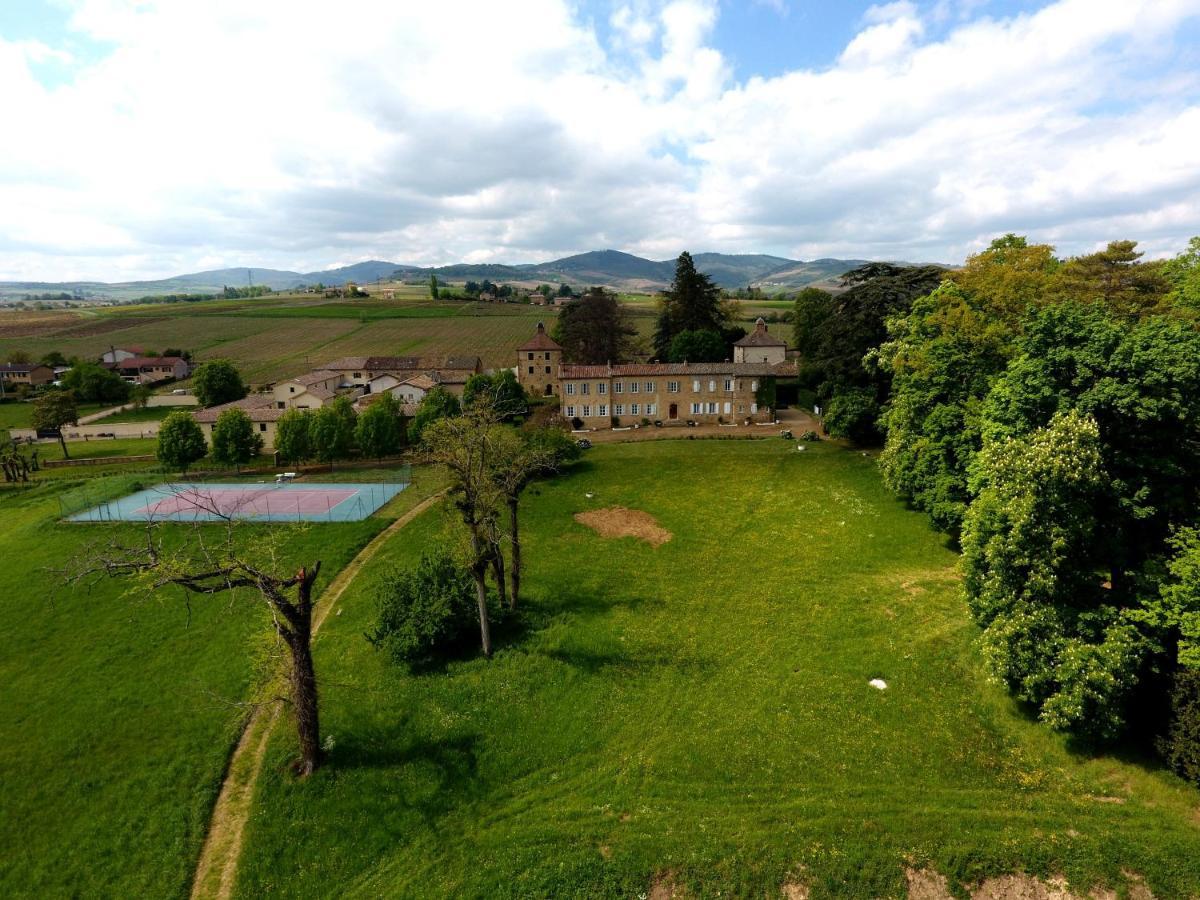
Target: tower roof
[(759, 337), (540, 341)]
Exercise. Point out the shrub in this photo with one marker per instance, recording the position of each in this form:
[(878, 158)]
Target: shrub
[(1180, 746), (852, 414), (426, 611)]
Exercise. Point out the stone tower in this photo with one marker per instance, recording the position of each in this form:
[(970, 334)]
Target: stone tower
[(537, 364)]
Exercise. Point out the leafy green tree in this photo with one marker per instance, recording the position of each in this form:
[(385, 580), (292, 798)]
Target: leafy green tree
[(944, 356), (379, 431), (292, 431), (698, 346), (1011, 277), (691, 303), (1140, 382), (502, 392), (234, 440), (564, 290), (433, 286), (92, 383), (439, 403), (852, 414), (853, 333), (813, 308), (1117, 276), (217, 381), (331, 431), (51, 411), (140, 396), (1030, 558), (424, 611), (596, 329), (1183, 274), (54, 358), (180, 441)]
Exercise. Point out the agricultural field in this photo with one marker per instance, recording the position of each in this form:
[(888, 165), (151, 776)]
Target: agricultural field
[(121, 707), (286, 334), (692, 711)]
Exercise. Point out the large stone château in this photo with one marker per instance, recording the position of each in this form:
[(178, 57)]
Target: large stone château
[(617, 395)]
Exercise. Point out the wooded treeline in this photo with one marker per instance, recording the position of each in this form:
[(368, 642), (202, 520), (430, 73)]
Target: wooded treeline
[(1045, 413)]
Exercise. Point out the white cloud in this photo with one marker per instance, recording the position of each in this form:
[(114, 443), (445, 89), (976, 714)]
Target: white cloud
[(290, 134)]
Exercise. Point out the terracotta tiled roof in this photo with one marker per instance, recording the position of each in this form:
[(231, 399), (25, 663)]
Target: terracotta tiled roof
[(259, 407), (540, 341), (318, 377), (760, 337), (422, 381), (680, 369), (131, 362), (460, 362)]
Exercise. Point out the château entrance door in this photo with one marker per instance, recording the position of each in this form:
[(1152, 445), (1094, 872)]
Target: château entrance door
[(673, 411)]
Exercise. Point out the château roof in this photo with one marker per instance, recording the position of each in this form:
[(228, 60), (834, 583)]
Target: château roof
[(681, 369), (540, 341), (759, 337)]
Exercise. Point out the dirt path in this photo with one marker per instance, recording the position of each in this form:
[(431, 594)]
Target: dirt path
[(217, 868)]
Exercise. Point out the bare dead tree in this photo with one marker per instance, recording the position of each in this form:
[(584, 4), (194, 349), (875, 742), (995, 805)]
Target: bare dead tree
[(211, 561)]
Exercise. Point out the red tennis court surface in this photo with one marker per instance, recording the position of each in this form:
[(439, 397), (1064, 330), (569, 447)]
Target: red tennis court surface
[(241, 502)]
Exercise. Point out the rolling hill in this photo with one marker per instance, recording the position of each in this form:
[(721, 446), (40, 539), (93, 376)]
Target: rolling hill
[(611, 268)]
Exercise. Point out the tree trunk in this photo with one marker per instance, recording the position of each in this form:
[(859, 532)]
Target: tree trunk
[(304, 701), (514, 566), (479, 573), (304, 676), (498, 573), (62, 440)]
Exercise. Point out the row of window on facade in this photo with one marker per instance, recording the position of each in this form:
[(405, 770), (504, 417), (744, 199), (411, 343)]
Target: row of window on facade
[(547, 356), (632, 387), (587, 410)]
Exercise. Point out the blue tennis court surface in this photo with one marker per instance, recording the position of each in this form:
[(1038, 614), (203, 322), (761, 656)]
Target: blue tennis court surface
[(288, 502)]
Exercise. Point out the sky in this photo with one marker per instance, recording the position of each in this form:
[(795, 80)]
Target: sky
[(145, 138)]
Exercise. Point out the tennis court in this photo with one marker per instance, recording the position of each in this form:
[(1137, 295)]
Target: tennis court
[(287, 502)]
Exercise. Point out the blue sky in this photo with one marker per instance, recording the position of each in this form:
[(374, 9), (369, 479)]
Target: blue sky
[(161, 136)]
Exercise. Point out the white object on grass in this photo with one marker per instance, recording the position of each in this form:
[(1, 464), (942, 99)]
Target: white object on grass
[(878, 684), (589, 495)]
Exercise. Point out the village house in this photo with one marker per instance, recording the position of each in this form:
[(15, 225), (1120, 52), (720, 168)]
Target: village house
[(451, 373), (262, 409), (311, 391), (151, 369), (406, 390), (32, 374), (760, 347)]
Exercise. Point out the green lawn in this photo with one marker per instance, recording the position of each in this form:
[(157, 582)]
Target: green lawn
[(96, 448), (118, 708), (703, 708), (20, 414)]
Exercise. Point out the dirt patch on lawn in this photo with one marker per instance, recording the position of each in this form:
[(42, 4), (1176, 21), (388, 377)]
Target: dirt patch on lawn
[(665, 887), (926, 884), (617, 521)]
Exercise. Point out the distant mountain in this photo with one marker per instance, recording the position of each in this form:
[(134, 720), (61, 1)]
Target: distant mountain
[(360, 273), (610, 268), (607, 266)]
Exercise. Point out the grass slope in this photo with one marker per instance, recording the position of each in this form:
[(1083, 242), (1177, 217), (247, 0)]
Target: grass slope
[(118, 709), (702, 708)]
